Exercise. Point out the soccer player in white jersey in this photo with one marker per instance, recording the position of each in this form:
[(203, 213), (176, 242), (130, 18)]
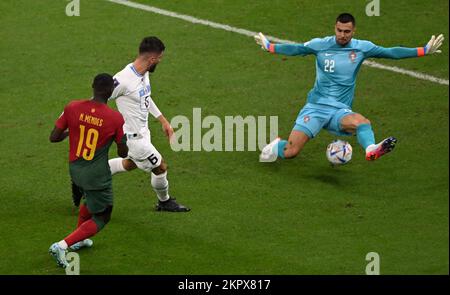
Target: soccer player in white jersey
[(132, 93)]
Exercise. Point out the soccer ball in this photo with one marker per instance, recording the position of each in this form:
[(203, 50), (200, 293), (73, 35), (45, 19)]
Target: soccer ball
[(339, 152)]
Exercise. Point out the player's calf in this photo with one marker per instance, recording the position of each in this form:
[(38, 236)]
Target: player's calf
[(102, 218), (159, 182), (160, 185), (295, 144), (291, 151), (285, 149), (161, 168)]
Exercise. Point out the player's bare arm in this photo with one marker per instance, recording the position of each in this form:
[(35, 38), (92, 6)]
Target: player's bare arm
[(122, 150), (58, 135), (167, 128)]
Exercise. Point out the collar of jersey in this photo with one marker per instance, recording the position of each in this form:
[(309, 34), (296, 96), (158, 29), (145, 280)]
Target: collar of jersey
[(348, 45), (135, 71)]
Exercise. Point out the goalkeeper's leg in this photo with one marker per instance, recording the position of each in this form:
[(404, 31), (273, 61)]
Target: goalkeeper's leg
[(284, 149), (293, 146), (356, 123)]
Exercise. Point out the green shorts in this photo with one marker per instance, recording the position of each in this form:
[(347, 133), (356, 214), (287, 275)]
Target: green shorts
[(98, 200)]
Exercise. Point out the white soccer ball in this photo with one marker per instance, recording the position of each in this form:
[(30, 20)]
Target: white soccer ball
[(339, 152)]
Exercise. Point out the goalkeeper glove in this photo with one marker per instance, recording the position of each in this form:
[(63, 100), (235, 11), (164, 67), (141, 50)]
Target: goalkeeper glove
[(434, 44), (262, 40)]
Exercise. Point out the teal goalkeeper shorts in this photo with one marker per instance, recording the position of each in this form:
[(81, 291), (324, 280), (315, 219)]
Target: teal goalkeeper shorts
[(313, 117)]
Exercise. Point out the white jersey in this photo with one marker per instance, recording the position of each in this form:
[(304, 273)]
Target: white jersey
[(132, 93)]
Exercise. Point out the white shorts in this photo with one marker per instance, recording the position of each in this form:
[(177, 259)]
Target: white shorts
[(142, 152)]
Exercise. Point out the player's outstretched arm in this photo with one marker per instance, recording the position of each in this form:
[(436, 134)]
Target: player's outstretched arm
[(285, 49), (404, 52)]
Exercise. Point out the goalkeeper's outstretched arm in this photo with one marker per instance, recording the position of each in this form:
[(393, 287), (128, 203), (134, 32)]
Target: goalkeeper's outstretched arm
[(404, 52), (285, 49)]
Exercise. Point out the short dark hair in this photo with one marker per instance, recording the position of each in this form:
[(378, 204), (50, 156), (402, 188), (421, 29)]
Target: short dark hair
[(346, 18), (151, 45), (103, 86)]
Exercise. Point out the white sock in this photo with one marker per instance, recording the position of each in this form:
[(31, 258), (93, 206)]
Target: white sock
[(116, 165), (160, 186), (63, 245), (371, 148)]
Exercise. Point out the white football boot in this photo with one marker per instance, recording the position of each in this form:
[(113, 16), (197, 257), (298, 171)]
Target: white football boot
[(81, 244), (59, 255), (269, 152)]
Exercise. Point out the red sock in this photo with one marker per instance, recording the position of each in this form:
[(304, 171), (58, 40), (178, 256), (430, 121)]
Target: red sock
[(84, 231), (83, 215)]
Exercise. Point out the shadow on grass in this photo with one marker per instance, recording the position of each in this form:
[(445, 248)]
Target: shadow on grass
[(335, 176)]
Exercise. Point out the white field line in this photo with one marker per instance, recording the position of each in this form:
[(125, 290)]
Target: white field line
[(228, 28)]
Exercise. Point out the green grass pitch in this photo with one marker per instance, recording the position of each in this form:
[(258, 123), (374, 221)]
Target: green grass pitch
[(290, 217)]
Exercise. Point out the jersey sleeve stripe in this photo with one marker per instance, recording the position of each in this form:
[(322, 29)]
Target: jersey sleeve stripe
[(272, 48), (420, 51)]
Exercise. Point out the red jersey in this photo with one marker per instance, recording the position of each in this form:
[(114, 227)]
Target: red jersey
[(92, 126)]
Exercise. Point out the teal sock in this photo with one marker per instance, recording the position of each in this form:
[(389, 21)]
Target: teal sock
[(280, 148), (365, 135)]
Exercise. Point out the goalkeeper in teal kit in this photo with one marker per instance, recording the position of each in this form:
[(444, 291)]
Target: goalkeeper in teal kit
[(329, 103)]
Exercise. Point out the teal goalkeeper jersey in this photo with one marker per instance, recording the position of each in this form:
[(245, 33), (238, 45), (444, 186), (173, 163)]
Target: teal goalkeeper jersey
[(337, 66)]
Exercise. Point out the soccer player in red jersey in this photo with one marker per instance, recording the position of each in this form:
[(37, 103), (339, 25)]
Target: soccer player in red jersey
[(92, 127)]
